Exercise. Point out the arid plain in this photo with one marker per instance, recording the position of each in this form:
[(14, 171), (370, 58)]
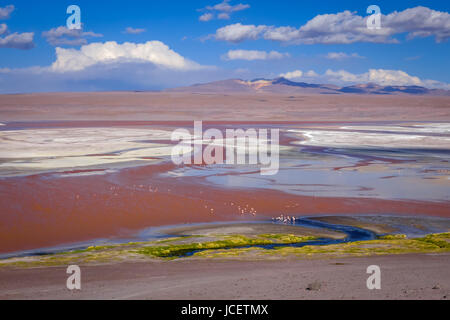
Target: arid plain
[(166, 106)]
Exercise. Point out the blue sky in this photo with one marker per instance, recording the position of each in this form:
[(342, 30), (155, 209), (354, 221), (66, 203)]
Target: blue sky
[(237, 39)]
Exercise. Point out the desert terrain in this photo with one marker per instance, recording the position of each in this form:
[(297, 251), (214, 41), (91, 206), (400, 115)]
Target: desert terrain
[(167, 106)]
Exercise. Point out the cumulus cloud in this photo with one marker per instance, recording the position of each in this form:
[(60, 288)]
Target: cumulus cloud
[(131, 30), (251, 55), (381, 77), (238, 32), (111, 66), (105, 77), (346, 28), (154, 52), (342, 56), (23, 41), (342, 76), (5, 12), (300, 75), (420, 22), (296, 74), (61, 36), (311, 73), (223, 10)]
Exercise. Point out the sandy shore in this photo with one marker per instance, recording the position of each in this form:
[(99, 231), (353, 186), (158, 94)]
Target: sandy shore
[(285, 279)]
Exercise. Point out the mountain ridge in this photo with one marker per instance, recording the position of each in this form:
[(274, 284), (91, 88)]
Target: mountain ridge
[(285, 86)]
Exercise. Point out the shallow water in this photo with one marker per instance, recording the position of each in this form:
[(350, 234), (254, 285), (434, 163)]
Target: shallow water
[(73, 182), (353, 234)]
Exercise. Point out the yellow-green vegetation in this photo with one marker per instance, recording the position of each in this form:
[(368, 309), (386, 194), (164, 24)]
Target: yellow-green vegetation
[(287, 238), (398, 244), (237, 246), (168, 249), (393, 237), (441, 240), (230, 242)]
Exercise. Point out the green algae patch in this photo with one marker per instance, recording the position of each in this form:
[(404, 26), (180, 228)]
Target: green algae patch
[(173, 251), (441, 240), (288, 238), (237, 247), (386, 245), (247, 253), (433, 243), (176, 239), (69, 258), (393, 237), (230, 242)]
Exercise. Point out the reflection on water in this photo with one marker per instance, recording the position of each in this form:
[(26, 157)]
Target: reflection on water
[(362, 165), (394, 161), (68, 184), (353, 234)]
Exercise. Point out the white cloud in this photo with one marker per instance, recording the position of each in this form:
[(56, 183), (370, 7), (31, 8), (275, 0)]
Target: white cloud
[(5, 12), (342, 56), (251, 55), (223, 10), (132, 75), (381, 77), (131, 30), (23, 41), (347, 27), (3, 29), (72, 37), (292, 75), (225, 6), (311, 74), (378, 76), (238, 32), (206, 17), (420, 22), (154, 52), (343, 76), (224, 16), (298, 74)]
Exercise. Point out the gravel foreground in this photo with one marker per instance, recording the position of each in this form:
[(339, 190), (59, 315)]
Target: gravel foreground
[(417, 276)]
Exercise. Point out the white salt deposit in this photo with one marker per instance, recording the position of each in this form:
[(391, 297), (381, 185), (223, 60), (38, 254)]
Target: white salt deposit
[(398, 137), (40, 150)]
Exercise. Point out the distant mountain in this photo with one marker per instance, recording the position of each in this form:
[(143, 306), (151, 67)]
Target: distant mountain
[(285, 86)]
